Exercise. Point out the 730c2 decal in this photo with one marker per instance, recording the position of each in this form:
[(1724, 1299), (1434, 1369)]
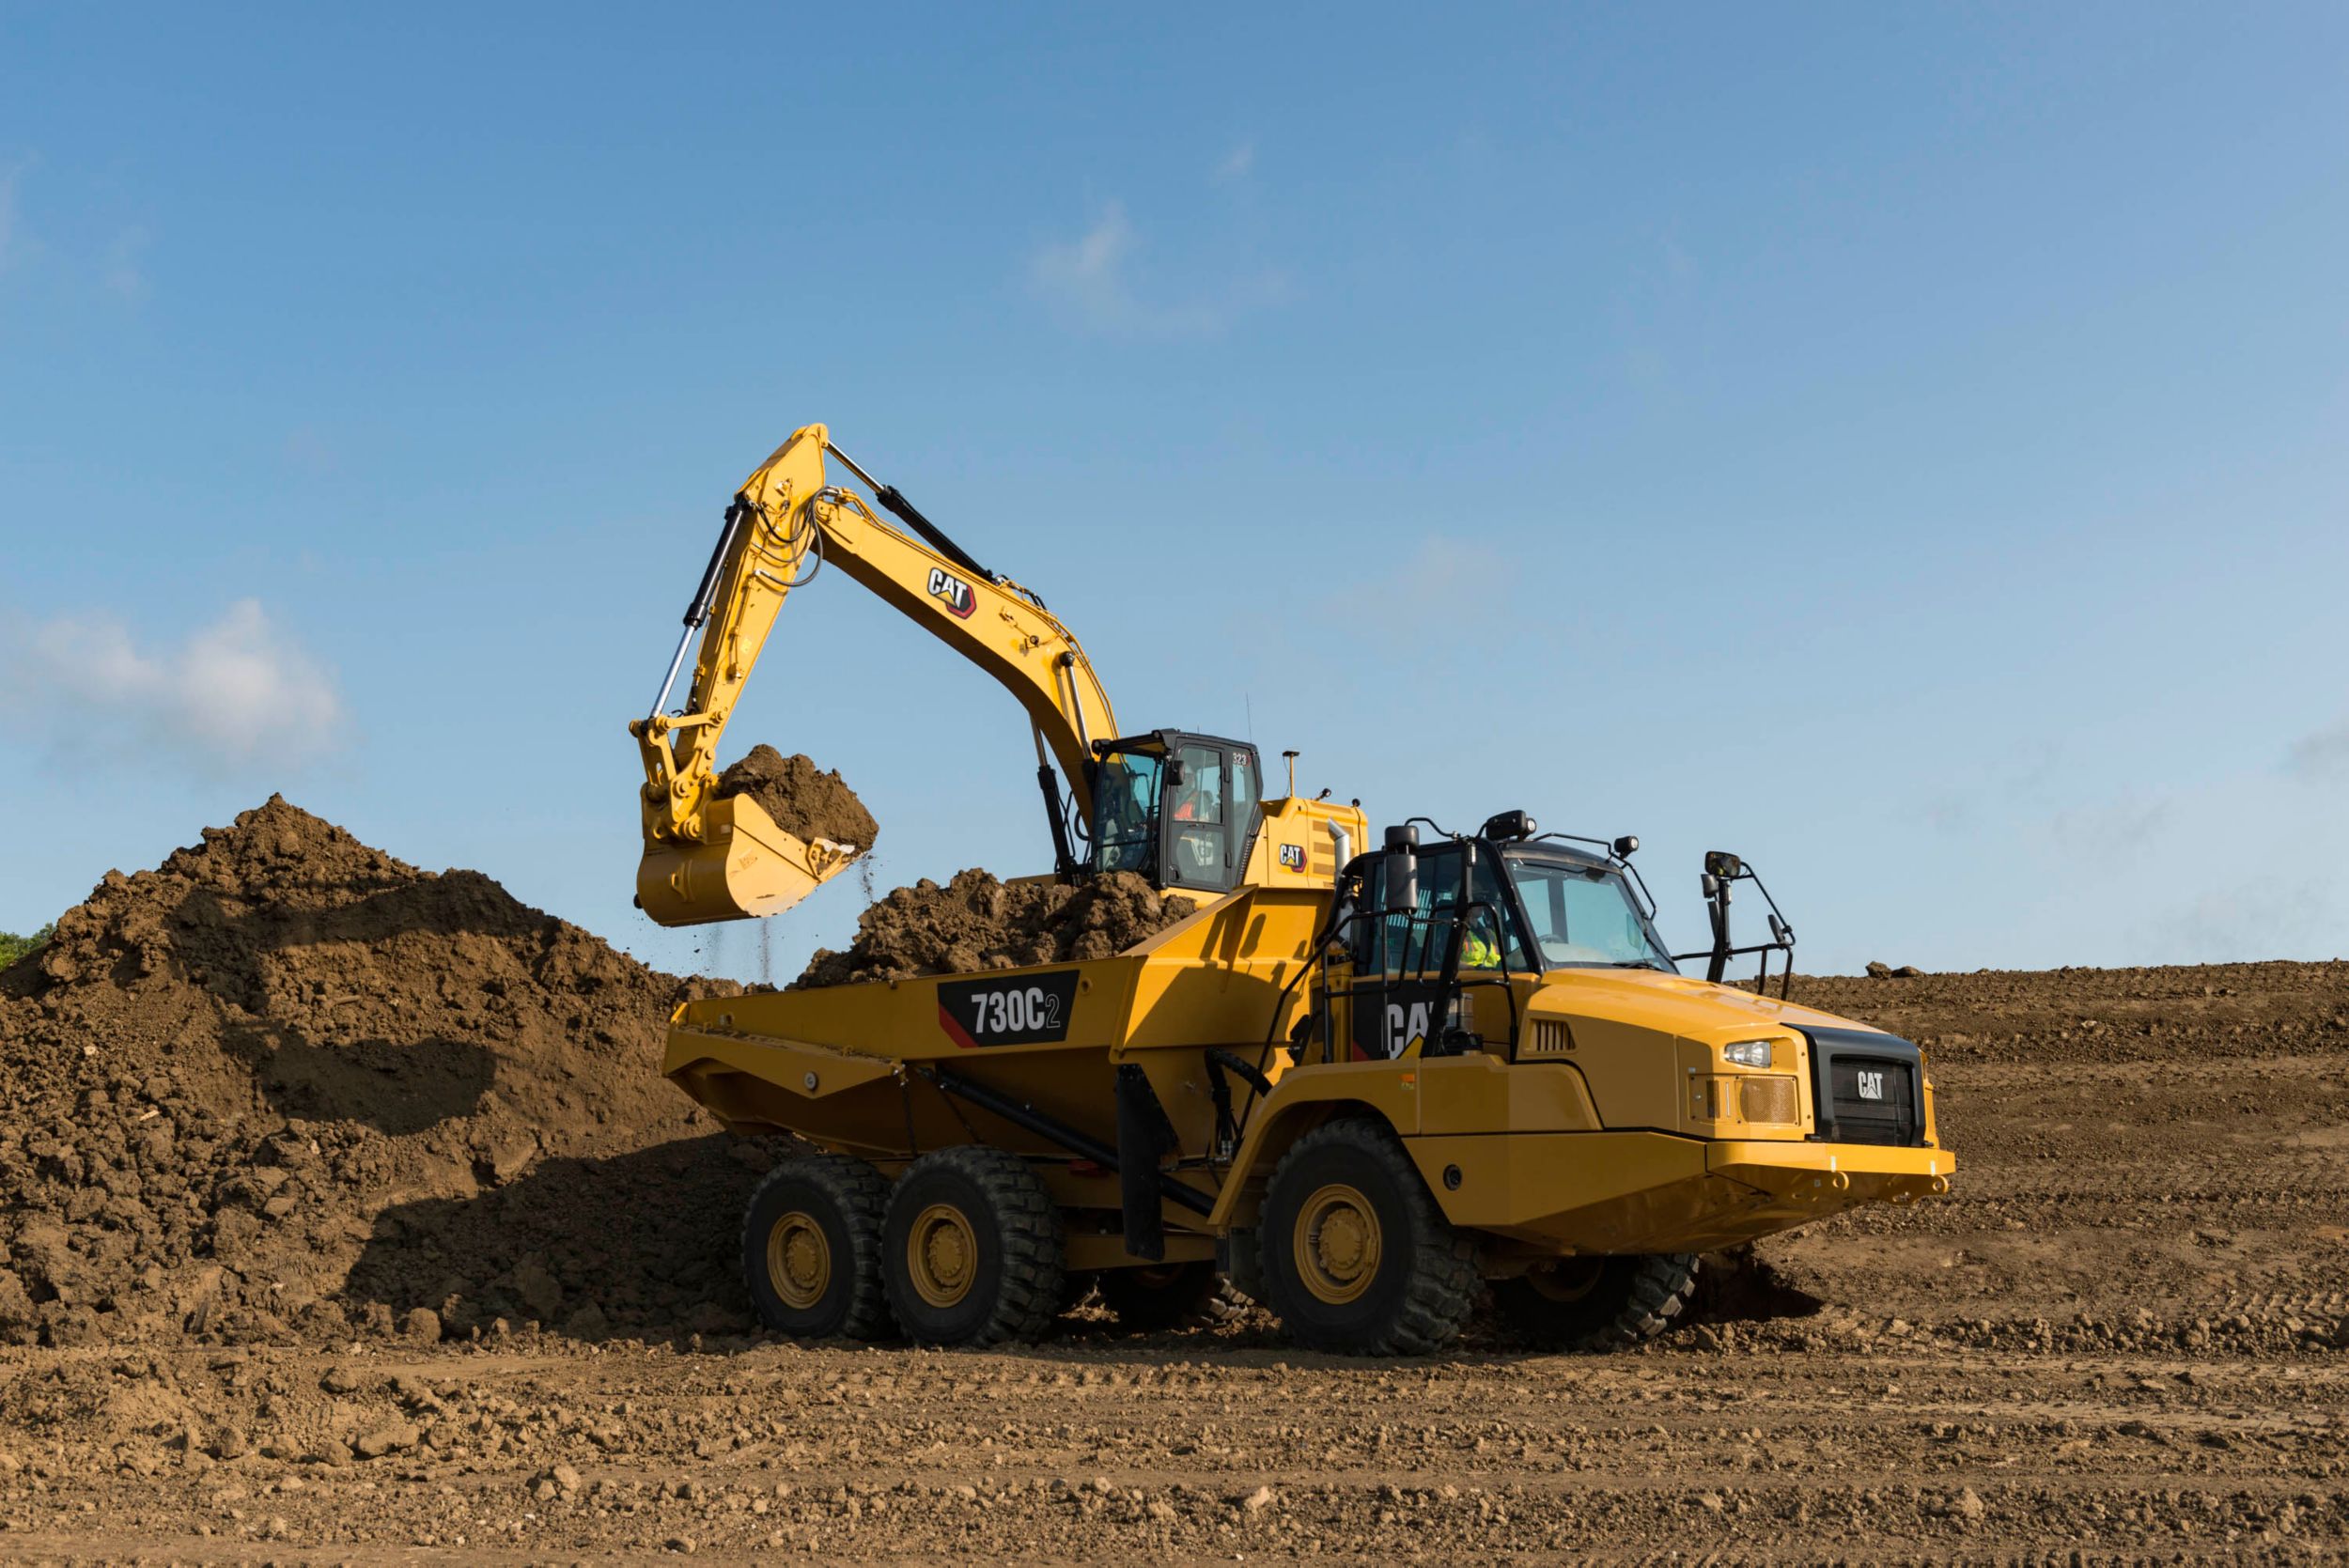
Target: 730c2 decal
[(1017, 1010)]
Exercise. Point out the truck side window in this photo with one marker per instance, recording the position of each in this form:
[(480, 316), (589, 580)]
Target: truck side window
[(1415, 945)]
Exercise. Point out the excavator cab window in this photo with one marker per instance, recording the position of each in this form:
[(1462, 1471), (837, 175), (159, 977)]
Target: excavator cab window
[(1180, 809), (1125, 812)]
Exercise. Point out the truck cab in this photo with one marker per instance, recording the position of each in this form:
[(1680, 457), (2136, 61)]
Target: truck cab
[(1597, 1117)]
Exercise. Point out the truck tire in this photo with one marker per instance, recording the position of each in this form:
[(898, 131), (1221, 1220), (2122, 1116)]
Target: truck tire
[(1596, 1303), (1356, 1258), (971, 1249), (1238, 1255), (811, 1248), (1190, 1294)]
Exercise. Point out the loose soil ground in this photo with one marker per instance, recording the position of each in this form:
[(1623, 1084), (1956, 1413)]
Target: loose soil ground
[(2123, 1334)]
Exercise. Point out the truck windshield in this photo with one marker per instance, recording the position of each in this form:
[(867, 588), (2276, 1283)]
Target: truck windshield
[(1126, 804), (1584, 917)]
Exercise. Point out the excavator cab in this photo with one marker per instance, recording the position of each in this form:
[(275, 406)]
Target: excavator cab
[(1182, 810)]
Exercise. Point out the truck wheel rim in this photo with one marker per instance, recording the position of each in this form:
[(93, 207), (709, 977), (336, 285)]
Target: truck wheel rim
[(942, 1255), (1567, 1280), (1338, 1243), (799, 1260)]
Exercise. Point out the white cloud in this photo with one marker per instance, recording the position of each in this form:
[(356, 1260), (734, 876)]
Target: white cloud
[(1095, 280), (2110, 829), (2323, 755), (1237, 163), (2276, 916), (118, 270), (237, 692)]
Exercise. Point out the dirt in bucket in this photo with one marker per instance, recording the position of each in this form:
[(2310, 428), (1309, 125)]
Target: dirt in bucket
[(804, 800)]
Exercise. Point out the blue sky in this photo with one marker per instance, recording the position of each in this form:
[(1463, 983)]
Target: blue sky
[(1904, 445)]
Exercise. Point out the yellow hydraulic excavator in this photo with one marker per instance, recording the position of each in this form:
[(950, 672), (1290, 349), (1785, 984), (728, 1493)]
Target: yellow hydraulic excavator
[(1357, 1086), (710, 858)]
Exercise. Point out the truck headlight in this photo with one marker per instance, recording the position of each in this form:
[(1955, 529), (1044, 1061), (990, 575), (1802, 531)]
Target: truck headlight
[(1748, 1053)]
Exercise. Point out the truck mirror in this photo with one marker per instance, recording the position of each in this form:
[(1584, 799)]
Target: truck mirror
[(1402, 870), (1174, 770), (1721, 863), (1401, 880)]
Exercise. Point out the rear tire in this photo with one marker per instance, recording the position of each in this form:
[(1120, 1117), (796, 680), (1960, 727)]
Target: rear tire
[(1190, 1294), (1596, 1303), (1355, 1256), (971, 1249), (811, 1248)]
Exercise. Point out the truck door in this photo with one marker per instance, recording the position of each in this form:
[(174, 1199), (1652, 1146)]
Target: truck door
[(1399, 1003)]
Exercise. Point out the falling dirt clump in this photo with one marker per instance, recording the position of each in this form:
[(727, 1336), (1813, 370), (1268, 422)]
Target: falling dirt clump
[(235, 1077), (979, 922), (803, 798)]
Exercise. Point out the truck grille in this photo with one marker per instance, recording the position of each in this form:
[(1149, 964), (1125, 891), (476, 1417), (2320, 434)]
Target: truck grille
[(1869, 1088)]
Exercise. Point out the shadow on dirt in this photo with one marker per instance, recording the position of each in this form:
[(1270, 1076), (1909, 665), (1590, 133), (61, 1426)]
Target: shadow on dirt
[(639, 1246), (1736, 1286), (395, 1089), (645, 1245)]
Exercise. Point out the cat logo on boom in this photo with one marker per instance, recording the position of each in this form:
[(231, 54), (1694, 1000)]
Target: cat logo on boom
[(953, 591)]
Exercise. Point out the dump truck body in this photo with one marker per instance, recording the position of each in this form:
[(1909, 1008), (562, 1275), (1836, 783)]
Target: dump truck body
[(1606, 1124)]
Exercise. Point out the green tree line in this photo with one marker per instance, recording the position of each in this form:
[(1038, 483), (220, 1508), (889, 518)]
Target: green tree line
[(13, 947)]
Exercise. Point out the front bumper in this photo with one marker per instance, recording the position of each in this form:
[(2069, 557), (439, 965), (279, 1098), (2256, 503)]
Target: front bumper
[(1654, 1192)]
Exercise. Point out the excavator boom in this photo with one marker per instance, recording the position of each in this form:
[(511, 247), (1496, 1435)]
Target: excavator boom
[(709, 858)]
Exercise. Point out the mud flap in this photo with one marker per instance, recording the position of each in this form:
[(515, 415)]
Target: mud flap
[(1143, 1136)]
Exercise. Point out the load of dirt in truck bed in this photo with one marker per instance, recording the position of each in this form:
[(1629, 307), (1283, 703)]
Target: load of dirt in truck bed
[(804, 800), (282, 1054), (979, 922)]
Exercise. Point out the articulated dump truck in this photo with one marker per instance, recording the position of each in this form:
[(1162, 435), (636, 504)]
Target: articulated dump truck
[(1359, 1086)]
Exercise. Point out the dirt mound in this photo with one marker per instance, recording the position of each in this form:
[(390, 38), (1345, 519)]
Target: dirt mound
[(979, 922), (803, 798), (225, 1070)]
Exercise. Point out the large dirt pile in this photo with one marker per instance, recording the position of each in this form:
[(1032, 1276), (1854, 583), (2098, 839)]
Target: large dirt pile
[(979, 922), (803, 798), (233, 1076)]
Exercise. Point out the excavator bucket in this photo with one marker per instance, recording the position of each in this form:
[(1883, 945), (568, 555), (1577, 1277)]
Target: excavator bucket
[(745, 866)]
